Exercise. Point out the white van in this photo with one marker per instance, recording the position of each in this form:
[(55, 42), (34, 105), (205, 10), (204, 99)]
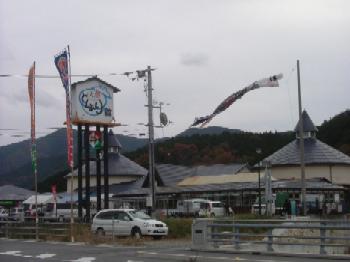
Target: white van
[(211, 208), (60, 212), (189, 207)]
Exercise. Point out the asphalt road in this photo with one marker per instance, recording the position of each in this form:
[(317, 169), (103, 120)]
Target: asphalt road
[(26, 251)]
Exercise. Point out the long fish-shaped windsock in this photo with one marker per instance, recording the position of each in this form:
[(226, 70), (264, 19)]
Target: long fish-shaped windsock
[(265, 82)]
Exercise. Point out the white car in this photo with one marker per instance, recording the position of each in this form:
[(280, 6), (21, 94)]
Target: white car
[(126, 222)]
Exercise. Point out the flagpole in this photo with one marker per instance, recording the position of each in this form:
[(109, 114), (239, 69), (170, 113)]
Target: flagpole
[(71, 164), (35, 168)]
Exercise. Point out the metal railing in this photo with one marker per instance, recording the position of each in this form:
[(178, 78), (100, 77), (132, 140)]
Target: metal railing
[(321, 236), (27, 230)]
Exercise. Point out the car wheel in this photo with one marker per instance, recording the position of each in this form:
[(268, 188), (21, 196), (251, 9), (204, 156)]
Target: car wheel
[(100, 232), (212, 215), (157, 237), (136, 233), (61, 219)]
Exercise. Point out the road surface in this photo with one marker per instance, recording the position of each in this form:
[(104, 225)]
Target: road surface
[(30, 250)]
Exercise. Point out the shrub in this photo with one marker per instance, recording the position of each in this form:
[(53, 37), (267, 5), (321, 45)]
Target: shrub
[(179, 227)]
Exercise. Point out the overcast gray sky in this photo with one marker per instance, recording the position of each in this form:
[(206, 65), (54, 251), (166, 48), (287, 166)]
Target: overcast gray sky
[(203, 52)]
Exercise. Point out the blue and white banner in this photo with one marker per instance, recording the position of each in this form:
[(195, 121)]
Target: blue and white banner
[(61, 62)]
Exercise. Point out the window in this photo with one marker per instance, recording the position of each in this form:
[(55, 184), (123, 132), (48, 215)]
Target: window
[(122, 216), (217, 205), (105, 215)]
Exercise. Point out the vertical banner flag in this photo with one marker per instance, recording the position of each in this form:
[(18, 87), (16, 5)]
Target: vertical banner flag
[(31, 91), (265, 82), (61, 62), (54, 193)]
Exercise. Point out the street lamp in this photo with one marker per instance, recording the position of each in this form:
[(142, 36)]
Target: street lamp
[(258, 151)]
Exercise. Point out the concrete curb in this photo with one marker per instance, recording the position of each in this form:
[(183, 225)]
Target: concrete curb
[(265, 253)]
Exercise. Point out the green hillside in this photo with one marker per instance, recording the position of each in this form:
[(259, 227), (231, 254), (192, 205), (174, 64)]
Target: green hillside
[(227, 147), (211, 145), (52, 158)]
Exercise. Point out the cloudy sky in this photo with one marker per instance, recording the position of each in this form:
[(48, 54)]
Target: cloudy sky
[(203, 52)]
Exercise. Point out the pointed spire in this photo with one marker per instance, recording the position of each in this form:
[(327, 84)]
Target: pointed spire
[(308, 126), (113, 142)]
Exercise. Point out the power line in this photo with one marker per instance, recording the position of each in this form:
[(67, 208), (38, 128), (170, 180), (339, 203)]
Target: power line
[(132, 75)]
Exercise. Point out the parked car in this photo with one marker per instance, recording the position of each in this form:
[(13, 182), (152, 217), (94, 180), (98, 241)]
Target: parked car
[(17, 214), (3, 214), (126, 222)]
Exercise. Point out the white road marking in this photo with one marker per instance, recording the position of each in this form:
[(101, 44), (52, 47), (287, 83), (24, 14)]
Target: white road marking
[(27, 256), (239, 259), (29, 241), (43, 256), (196, 257), (10, 253), (105, 245), (75, 244), (83, 259), (134, 261)]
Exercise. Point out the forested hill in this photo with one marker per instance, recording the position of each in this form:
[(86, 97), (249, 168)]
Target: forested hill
[(336, 132), (213, 145), (228, 147)]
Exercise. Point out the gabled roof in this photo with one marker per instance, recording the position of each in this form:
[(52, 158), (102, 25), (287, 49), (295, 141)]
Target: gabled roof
[(41, 199), (95, 78), (315, 152), (308, 125), (168, 174), (10, 192), (217, 169), (221, 179)]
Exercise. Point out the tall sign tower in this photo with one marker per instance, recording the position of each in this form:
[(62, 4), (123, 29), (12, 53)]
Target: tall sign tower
[(92, 108)]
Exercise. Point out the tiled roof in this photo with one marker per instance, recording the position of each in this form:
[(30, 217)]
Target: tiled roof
[(315, 152), (10, 192), (119, 165), (218, 169), (95, 78)]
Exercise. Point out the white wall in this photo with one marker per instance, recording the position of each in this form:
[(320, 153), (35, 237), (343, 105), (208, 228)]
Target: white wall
[(336, 174)]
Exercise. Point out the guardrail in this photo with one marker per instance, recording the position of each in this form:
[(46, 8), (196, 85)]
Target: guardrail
[(16, 229), (292, 236)]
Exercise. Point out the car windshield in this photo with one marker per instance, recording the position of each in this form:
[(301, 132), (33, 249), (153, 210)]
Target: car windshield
[(139, 214)]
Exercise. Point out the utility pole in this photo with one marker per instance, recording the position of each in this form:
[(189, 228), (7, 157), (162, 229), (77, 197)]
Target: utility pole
[(151, 138), (258, 151), (301, 141)]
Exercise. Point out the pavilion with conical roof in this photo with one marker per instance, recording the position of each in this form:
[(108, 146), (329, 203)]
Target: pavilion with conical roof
[(321, 160), (121, 169)]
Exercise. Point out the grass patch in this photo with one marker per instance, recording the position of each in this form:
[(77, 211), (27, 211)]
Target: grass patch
[(179, 227)]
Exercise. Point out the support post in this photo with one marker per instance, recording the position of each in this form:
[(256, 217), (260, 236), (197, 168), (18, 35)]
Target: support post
[(269, 240), (236, 230), (87, 172), (80, 173), (323, 238), (259, 191), (105, 168), (98, 175)]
